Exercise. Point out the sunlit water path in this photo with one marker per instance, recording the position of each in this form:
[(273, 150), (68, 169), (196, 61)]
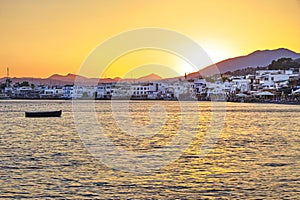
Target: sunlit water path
[(257, 155)]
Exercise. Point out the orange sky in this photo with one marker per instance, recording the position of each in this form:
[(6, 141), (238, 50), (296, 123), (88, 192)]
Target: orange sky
[(40, 38)]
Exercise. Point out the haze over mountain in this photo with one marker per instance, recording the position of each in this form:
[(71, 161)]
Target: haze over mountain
[(259, 58), (70, 79), (57, 79), (150, 77)]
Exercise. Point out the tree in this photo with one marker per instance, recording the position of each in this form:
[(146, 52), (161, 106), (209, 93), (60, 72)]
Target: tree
[(283, 64), (2, 86), (24, 84), (224, 79)]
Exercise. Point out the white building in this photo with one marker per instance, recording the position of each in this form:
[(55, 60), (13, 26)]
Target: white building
[(199, 86), (23, 90), (67, 91), (104, 90), (84, 92), (140, 90), (243, 85), (273, 72), (53, 92)]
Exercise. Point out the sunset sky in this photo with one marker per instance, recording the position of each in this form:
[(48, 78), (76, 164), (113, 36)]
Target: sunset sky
[(44, 37)]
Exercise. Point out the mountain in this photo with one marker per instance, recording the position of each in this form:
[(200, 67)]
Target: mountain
[(57, 79), (69, 77), (150, 77), (259, 58), (36, 81)]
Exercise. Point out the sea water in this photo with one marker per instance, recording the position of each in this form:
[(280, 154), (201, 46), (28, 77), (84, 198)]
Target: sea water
[(255, 152)]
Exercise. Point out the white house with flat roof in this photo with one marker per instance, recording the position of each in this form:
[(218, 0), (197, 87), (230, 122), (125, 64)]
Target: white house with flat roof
[(67, 91)]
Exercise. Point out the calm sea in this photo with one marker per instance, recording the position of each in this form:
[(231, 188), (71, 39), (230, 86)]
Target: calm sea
[(255, 155)]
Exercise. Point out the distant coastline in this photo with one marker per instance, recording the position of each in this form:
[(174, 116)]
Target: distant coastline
[(275, 82), (136, 100)]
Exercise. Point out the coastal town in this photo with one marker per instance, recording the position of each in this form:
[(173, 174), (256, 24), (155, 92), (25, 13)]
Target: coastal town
[(264, 85)]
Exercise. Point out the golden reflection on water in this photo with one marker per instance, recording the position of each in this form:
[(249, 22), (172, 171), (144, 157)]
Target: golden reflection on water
[(256, 155)]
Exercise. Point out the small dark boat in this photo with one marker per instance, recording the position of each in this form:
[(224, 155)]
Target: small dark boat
[(44, 114)]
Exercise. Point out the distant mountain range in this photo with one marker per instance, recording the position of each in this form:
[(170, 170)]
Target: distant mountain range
[(259, 58), (57, 79)]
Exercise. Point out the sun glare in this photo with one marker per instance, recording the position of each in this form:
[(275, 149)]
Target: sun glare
[(144, 62), (217, 50)]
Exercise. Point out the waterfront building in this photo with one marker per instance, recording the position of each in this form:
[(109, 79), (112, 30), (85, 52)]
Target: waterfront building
[(281, 83), (140, 91), (104, 90), (84, 92), (67, 91), (50, 92), (240, 84)]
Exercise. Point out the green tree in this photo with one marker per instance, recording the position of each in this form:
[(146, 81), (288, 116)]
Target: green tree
[(283, 64), (24, 84), (2, 86)]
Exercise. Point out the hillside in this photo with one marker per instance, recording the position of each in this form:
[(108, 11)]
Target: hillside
[(256, 59)]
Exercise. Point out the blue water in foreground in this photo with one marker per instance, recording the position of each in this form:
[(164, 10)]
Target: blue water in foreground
[(256, 154)]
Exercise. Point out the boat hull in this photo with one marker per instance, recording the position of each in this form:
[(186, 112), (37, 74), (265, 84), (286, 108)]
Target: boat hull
[(44, 114)]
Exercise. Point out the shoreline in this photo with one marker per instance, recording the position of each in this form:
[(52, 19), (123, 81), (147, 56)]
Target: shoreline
[(82, 99)]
